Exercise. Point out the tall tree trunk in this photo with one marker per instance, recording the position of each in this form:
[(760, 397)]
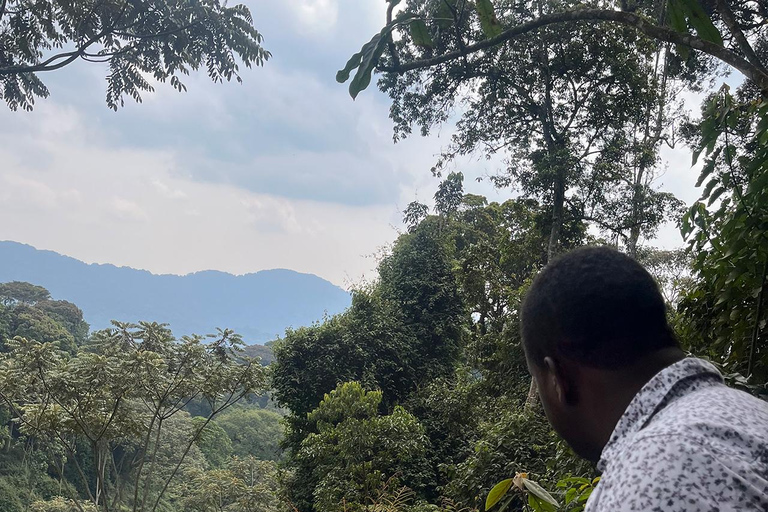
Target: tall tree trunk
[(637, 200), (650, 142), (558, 208)]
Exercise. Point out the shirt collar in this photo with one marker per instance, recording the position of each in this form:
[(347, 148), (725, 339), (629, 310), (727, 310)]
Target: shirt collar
[(653, 395)]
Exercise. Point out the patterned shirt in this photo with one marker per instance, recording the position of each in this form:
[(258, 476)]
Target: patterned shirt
[(686, 442)]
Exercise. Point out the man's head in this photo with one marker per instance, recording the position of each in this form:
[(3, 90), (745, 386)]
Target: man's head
[(589, 313)]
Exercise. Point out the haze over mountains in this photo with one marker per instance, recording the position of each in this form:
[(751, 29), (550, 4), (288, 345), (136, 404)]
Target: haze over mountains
[(259, 306)]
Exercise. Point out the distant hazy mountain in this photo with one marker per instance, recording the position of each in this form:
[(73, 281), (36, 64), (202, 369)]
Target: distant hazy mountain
[(259, 306)]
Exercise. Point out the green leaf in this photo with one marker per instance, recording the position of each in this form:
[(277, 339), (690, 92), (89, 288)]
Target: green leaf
[(708, 168), (539, 505), (366, 60), (703, 25), (539, 492), (353, 62), (677, 16), (497, 493), (420, 34), (717, 193), (710, 186), (488, 21), (370, 54), (677, 22), (445, 12)]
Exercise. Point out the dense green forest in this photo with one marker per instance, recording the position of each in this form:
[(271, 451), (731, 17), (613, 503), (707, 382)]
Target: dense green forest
[(416, 398)]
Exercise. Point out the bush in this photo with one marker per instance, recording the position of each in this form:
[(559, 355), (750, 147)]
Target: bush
[(10, 499)]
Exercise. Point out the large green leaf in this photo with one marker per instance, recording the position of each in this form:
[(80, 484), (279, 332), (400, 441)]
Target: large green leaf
[(539, 505), (369, 57), (497, 493), (445, 11), (677, 22), (353, 62), (699, 20), (539, 492), (488, 21), (420, 34)]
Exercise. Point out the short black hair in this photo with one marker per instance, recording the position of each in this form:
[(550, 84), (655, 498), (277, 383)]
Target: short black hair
[(595, 306)]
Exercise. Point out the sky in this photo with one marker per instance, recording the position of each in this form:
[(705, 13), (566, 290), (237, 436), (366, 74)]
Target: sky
[(282, 171)]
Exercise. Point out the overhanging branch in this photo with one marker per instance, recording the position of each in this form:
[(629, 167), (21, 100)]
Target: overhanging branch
[(733, 26), (641, 24)]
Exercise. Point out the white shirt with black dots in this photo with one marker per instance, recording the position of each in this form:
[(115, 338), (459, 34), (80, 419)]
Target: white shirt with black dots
[(686, 442)]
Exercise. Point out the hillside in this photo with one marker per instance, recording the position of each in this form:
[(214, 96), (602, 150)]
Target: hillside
[(259, 306)]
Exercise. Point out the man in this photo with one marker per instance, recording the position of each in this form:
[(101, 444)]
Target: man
[(665, 431)]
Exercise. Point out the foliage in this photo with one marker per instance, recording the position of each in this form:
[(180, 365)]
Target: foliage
[(158, 40), (244, 485), (417, 279), (33, 323), (17, 292), (511, 440), (465, 35), (119, 398), (213, 442), (27, 310), (60, 504), (356, 451), (728, 231), (9, 497), (253, 432), (404, 331), (575, 490)]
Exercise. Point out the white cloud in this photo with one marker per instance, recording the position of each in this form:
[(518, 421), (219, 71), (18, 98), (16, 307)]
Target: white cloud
[(316, 15), (128, 210)]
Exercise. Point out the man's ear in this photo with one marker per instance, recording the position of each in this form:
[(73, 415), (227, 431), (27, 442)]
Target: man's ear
[(559, 381)]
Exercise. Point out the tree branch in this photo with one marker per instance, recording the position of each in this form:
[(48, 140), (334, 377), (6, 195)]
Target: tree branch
[(47, 65), (754, 73), (733, 26), (756, 329)]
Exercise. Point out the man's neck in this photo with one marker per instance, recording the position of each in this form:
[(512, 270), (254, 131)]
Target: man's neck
[(620, 387)]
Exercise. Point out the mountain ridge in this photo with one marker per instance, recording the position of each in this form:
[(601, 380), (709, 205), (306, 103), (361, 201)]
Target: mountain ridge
[(258, 305)]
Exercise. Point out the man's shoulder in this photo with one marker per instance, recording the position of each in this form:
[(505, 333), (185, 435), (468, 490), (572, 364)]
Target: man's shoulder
[(672, 472), (706, 450), (722, 420)]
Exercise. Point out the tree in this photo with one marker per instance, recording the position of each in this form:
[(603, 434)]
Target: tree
[(725, 312), (27, 310), (578, 120), (734, 38), (417, 282), (402, 332), (34, 323), (67, 315), (117, 405), (356, 451), (671, 269), (245, 485), (143, 40), (18, 292), (213, 442), (578, 111), (253, 432)]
